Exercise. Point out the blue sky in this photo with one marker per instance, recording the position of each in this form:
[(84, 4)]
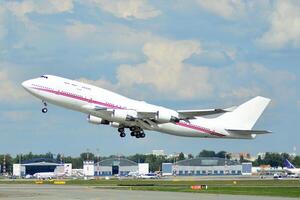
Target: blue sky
[(179, 54)]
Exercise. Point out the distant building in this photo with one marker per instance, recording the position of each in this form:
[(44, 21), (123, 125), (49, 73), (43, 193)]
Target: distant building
[(33, 166), (119, 166), (206, 166), (88, 168)]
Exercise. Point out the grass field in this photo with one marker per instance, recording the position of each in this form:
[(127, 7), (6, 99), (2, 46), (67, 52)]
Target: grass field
[(282, 188)]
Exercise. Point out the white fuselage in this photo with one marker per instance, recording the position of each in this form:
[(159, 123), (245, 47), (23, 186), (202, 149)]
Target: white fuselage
[(81, 97)]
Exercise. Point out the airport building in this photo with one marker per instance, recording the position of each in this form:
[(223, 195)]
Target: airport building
[(33, 166), (204, 166), (119, 166)]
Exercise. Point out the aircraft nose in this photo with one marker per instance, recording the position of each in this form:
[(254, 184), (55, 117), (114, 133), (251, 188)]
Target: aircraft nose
[(26, 84)]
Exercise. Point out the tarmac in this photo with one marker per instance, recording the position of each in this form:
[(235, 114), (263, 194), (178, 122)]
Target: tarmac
[(64, 192)]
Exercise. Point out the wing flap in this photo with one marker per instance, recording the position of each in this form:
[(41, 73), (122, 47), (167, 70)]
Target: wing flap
[(248, 132)]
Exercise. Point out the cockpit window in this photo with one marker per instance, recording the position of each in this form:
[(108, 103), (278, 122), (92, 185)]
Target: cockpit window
[(44, 77)]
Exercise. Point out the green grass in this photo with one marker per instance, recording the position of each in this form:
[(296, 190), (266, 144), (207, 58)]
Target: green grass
[(280, 188)]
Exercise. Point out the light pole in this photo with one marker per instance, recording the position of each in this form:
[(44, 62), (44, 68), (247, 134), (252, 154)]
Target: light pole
[(20, 161)]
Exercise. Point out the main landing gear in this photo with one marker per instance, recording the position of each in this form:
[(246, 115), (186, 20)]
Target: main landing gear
[(122, 132), (135, 132), (45, 109)]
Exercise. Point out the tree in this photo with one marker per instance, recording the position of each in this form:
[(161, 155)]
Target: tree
[(206, 153), (181, 156), (221, 154), (87, 156), (190, 156), (138, 158), (296, 161)]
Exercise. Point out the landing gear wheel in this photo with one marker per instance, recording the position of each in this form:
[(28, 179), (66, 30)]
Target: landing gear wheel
[(143, 135), (137, 135), (44, 110), (132, 134), (121, 130), (122, 134)]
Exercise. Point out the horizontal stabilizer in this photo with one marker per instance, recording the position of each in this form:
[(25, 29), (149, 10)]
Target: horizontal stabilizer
[(248, 132)]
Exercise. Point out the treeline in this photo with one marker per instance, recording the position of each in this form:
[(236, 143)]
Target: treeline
[(272, 159)]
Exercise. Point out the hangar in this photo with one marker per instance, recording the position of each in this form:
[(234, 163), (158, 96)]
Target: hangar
[(37, 165), (119, 166), (206, 166)]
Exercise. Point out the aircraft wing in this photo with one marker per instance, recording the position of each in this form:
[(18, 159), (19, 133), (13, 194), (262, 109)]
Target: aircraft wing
[(248, 132), (191, 114)]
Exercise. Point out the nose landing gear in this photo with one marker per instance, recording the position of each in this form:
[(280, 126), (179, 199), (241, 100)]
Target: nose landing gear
[(45, 109)]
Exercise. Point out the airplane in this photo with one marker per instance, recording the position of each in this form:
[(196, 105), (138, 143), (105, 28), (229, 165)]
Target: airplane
[(108, 108), (291, 169), (58, 172), (48, 175)]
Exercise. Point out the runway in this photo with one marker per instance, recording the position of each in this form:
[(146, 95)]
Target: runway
[(63, 192)]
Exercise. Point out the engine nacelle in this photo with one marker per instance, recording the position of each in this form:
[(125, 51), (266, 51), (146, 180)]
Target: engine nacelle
[(96, 120), (163, 116), (115, 124), (124, 115)]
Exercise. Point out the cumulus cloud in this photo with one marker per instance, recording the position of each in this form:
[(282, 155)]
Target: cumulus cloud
[(228, 9), (22, 8), (256, 79), (121, 43), (42, 6), (284, 25), (128, 9), (9, 90), (164, 73)]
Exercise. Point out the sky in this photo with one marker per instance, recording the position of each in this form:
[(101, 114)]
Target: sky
[(191, 54)]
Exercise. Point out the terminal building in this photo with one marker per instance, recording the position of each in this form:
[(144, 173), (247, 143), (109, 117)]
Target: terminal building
[(38, 165), (117, 166), (204, 166)]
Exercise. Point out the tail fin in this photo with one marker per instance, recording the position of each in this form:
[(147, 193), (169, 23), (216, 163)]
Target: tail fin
[(245, 116), (288, 165)]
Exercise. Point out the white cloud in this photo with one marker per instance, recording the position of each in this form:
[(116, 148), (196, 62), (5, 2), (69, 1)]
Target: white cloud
[(9, 90), (284, 25), (78, 30), (228, 9), (42, 6), (109, 36), (3, 30), (117, 55), (128, 9), (165, 75), (164, 72), (16, 116)]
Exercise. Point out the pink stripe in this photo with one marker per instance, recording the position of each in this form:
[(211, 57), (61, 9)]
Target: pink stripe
[(199, 128), (79, 98)]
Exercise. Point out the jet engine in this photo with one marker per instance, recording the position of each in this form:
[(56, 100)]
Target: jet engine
[(124, 115), (96, 120), (163, 116)]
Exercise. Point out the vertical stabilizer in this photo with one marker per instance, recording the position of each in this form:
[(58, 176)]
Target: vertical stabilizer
[(245, 116), (288, 164)]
